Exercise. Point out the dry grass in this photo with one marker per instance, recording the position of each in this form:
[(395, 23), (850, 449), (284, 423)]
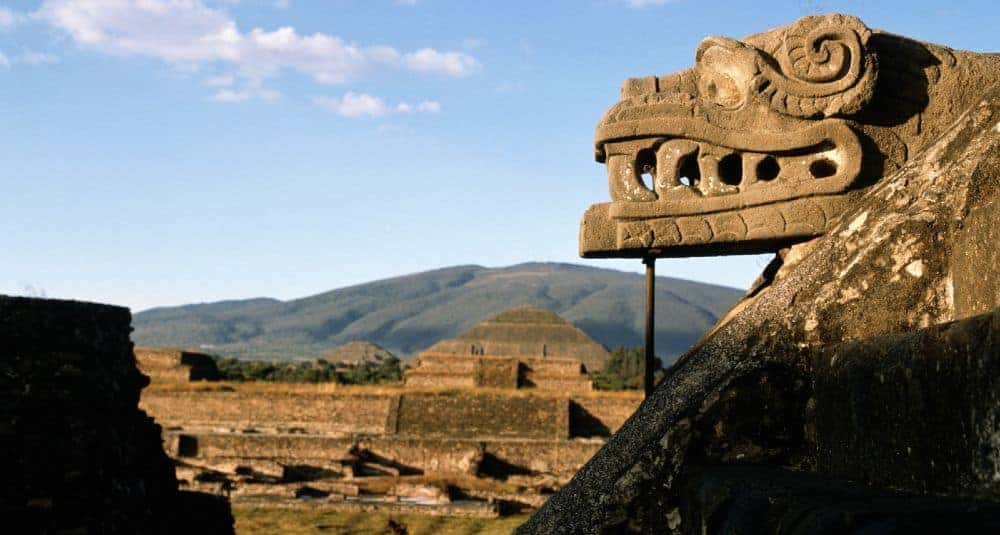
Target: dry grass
[(251, 520), (382, 485), (396, 389)]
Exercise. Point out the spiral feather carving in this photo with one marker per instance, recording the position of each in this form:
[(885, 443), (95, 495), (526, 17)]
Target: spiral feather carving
[(824, 68)]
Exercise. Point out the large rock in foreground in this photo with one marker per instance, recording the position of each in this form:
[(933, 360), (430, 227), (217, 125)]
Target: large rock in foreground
[(869, 354)]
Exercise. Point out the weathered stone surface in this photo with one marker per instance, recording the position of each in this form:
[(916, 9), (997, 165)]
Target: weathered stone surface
[(483, 416), (765, 141), (843, 360), (80, 457), (917, 411), (732, 500), (279, 411)]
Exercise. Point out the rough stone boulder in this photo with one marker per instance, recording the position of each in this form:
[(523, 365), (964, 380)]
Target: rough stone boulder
[(856, 387), (79, 456)]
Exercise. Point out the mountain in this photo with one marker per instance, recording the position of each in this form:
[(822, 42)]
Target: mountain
[(410, 313)]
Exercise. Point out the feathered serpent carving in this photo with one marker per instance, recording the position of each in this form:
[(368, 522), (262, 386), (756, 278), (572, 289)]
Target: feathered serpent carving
[(824, 68)]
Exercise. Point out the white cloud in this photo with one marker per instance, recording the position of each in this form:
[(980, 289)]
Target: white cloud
[(451, 63), (639, 4), (171, 30), (407, 2), (362, 105), (221, 80), (10, 18), (243, 95), (228, 95), (429, 106), (354, 105), (191, 34), (4, 62)]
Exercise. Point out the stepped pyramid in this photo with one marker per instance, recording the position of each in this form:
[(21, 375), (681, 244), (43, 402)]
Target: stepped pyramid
[(519, 348), (357, 352), (173, 364)]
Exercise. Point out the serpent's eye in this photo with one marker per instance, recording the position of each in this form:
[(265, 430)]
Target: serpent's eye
[(720, 90), (724, 76)]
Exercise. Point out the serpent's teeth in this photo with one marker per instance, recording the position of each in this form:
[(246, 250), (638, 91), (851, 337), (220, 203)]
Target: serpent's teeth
[(666, 175)]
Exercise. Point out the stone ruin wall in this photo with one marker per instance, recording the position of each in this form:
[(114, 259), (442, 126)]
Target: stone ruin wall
[(483, 415), (438, 370), (468, 415), (169, 364), (443, 371), (80, 456), (414, 432), (270, 453), (315, 413), (441, 380), (496, 373), (599, 416), (558, 374)]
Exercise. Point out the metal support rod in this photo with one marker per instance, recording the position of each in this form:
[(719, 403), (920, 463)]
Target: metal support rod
[(650, 262)]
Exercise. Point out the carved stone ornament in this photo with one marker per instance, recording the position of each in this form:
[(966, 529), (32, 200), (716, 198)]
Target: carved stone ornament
[(765, 141)]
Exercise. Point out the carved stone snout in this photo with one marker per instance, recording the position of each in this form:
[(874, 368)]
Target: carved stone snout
[(744, 118), (749, 150), (654, 176)]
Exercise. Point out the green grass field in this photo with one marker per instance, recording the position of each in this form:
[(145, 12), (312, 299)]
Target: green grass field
[(252, 520)]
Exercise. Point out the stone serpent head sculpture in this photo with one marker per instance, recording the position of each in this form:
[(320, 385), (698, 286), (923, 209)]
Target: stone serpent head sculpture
[(766, 140)]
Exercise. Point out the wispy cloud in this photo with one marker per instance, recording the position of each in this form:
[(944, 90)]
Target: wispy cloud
[(362, 105), (639, 4), (192, 34), (221, 80), (4, 62), (243, 95), (10, 18), (450, 63)]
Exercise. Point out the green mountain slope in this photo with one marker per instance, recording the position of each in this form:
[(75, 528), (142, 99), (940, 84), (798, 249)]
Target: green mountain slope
[(408, 314)]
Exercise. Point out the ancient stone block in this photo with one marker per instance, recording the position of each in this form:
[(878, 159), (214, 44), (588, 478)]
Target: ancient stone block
[(483, 415), (80, 456)]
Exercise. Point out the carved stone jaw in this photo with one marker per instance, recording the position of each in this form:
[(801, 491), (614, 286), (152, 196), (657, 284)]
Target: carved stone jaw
[(706, 169), (742, 153)]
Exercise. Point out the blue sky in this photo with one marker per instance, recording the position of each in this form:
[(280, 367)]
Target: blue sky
[(159, 152)]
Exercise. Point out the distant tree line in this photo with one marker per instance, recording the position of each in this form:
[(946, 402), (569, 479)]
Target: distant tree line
[(625, 370), (388, 370)]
